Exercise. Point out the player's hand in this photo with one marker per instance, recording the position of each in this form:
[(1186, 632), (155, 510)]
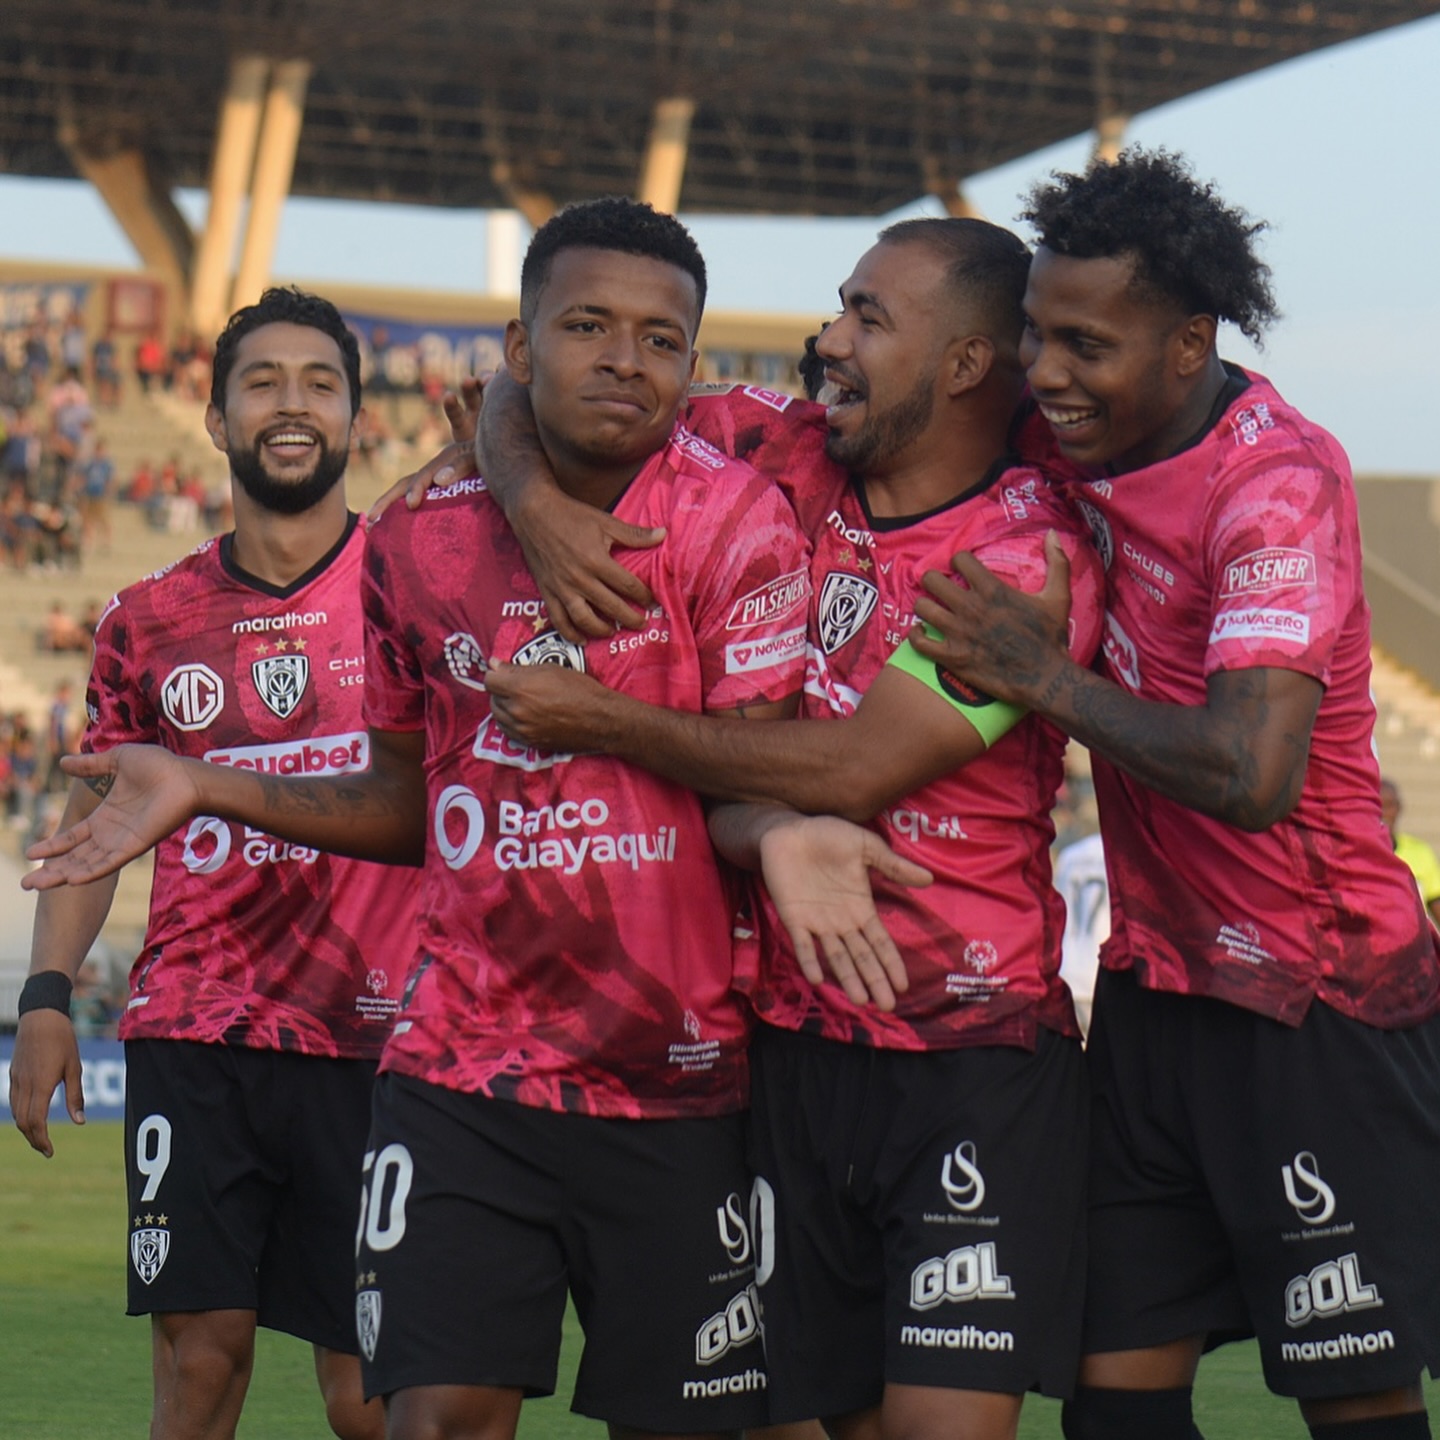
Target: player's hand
[(548, 707), (456, 460), (993, 636), (588, 594), (148, 795), (816, 869), (46, 1055)]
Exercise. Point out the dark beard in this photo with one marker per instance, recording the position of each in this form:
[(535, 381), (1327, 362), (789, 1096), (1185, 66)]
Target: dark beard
[(884, 436), (287, 498)]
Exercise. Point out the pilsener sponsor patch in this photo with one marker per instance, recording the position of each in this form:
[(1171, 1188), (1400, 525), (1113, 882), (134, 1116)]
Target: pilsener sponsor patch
[(1274, 568)]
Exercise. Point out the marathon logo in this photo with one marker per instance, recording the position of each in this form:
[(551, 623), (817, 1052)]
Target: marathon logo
[(1271, 569), (1283, 625), (740, 659), (1342, 1347), (320, 755), (956, 1337), (770, 602), (742, 1384), (291, 620)]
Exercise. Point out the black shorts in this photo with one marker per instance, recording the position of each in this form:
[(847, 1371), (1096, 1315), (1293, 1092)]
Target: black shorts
[(921, 1218), (243, 1174), (1253, 1178), (481, 1214)]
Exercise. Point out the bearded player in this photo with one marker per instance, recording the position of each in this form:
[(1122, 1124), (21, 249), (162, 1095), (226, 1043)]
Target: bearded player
[(1266, 1047), (270, 973), (559, 1107)]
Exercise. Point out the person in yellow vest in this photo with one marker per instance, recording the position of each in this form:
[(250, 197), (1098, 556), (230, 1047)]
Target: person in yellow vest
[(1420, 857)]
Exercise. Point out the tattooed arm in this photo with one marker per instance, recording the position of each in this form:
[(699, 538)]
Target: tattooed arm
[(1240, 757), (378, 814)]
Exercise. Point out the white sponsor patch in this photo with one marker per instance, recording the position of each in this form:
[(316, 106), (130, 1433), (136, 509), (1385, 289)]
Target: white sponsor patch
[(192, 696), (770, 602), (319, 755), (1274, 568), (746, 655), (1283, 625), (775, 399)]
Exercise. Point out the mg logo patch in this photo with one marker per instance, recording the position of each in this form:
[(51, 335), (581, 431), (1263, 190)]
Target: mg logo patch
[(149, 1249), (280, 681), (551, 649), (192, 696), (367, 1320), (846, 603)]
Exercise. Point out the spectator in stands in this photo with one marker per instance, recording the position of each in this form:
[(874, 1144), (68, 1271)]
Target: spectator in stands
[(24, 775), (72, 344), (61, 733), (92, 1011), (105, 372), (1421, 858), (141, 485), (150, 362), (97, 482), (62, 634), (37, 356)]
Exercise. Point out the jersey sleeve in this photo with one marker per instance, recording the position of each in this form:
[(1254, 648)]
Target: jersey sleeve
[(394, 682), (752, 595), (1280, 587), (117, 710)]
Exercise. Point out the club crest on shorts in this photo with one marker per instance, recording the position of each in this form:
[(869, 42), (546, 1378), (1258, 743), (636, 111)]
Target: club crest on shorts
[(367, 1321), (149, 1249), (280, 681), (846, 603), (550, 649)]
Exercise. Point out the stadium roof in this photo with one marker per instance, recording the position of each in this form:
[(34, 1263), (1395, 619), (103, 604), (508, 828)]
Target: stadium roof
[(808, 107)]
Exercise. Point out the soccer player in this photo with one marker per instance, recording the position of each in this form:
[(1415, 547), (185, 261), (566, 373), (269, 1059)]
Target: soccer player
[(921, 1160), (560, 1104), (270, 973), (1266, 1142)]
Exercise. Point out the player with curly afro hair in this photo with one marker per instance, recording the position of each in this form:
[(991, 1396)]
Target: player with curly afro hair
[(1185, 242), (1270, 959)]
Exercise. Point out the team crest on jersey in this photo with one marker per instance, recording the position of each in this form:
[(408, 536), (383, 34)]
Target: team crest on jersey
[(280, 681), (466, 659), (551, 648), (1099, 530), (846, 603), (367, 1321), (149, 1249)]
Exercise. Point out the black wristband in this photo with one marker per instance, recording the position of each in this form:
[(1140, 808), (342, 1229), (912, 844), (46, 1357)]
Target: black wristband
[(47, 990)]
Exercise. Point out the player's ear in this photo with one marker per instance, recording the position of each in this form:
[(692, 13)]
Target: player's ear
[(1195, 341), (694, 361), (215, 424), (358, 423), (967, 362), (517, 351)]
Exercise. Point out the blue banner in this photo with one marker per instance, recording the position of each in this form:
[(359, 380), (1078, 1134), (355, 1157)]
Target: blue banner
[(102, 1066), (397, 354)]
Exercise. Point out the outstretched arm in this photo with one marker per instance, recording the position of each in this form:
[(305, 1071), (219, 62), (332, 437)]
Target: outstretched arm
[(46, 1054), (567, 544), (378, 814), (1240, 757)]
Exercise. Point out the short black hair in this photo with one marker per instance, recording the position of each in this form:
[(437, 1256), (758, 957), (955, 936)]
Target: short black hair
[(610, 223), (1187, 245), (986, 267), (285, 305)]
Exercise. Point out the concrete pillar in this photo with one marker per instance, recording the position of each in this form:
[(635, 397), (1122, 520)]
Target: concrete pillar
[(663, 170), (230, 168), (142, 208), (940, 183), (1109, 137), (503, 252), (274, 165)]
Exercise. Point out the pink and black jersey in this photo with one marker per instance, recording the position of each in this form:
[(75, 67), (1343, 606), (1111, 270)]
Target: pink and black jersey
[(253, 941), (982, 944), (1244, 551), (575, 940)]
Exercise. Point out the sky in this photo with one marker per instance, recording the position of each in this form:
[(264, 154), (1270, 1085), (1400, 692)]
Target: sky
[(1337, 151)]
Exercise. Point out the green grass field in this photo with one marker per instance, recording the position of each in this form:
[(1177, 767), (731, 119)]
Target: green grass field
[(73, 1367)]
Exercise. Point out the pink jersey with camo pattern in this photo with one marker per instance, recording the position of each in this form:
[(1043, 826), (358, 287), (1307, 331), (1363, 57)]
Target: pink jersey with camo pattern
[(253, 941), (575, 939), (982, 944), (1244, 551)]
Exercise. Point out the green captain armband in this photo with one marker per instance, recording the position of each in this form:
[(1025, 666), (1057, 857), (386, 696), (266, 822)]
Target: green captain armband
[(990, 717)]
